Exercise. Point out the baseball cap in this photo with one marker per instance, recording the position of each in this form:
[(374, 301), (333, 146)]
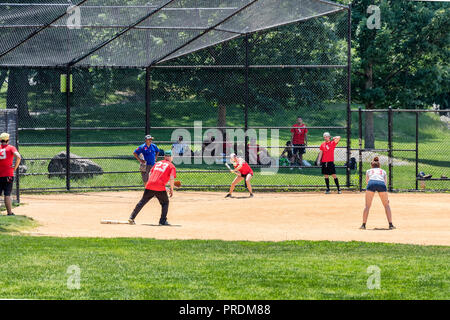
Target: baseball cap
[(148, 137), (168, 153), (4, 136), (326, 134)]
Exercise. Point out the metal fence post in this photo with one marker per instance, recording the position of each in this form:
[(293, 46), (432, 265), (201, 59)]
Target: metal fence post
[(360, 147), (349, 91), (18, 169), (68, 127), (147, 100), (390, 114), (417, 149), (246, 97)]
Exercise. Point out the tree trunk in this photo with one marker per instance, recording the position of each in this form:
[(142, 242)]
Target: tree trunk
[(17, 94), (222, 116), (369, 137)]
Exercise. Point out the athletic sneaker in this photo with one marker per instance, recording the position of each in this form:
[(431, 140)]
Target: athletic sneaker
[(363, 227), (327, 192), (339, 192), (131, 221), (392, 227), (228, 196), (165, 223), (11, 214), (251, 195)]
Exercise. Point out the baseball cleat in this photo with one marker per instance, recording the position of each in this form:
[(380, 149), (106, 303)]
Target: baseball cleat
[(228, 196), (339, 192), (327, 192), (392, 227), (363, 226), (11, 214), (131, 221), (251, 195), (165, 223)]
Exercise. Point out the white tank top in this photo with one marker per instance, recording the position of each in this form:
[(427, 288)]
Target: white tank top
[(376, 174)]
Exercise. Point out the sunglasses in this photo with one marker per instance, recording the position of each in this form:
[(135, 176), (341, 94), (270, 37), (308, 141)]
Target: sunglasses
[(5, 141)]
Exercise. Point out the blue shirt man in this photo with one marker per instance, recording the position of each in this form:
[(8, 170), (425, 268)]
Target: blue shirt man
[(150, 152)]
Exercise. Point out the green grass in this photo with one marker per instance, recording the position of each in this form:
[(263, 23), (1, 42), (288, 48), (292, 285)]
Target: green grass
[(36, 267), (13, 224)]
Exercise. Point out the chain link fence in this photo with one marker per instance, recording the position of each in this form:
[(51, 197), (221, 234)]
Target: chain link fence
[(412, 146), (259, 83)]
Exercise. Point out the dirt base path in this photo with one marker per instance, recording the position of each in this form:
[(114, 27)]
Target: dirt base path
[(420, 218)]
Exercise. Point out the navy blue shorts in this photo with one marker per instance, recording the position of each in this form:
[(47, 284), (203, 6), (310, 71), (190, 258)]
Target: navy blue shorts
[(375, 185)]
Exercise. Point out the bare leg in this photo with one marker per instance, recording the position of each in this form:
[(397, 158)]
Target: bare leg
[(387, 208), (234, 183), (369, 198), (8, 204), (249, 186)]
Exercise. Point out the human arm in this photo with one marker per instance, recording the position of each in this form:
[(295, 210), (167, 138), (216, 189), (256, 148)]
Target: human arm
[(336, 139), (18, 159), (319, 158), (142, 161), (171, 185)]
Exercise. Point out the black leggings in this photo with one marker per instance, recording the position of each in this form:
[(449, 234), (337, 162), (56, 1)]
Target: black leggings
[(148, 195)]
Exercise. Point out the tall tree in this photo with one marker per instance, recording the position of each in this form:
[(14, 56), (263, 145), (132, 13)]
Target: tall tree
[(402, 63), (17, 94)]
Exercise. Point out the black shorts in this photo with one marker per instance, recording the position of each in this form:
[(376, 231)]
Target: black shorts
[(328, 168), (6, 185), (299, 148)]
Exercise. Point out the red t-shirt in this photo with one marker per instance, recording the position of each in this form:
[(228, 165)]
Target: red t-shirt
[(328, 151), (245, 169), (160, 175), (6, 160), (299, 133)]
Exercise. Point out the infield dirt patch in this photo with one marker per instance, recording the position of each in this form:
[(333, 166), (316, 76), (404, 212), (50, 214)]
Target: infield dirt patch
[(420, 218)]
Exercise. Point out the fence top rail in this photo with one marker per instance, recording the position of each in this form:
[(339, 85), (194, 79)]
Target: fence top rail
[(400, 110), (180, 127)]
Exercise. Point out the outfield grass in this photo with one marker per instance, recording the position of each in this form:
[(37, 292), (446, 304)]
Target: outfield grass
[(36, 267), (13, 224)]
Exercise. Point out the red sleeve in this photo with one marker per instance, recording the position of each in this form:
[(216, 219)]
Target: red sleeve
[(13, 149), (321, 147), (334, 143), (292, 130)]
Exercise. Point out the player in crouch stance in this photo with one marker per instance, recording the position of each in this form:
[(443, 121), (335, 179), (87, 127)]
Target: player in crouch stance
[(243, 171), (162, 172), (326, 158), (376, 181)]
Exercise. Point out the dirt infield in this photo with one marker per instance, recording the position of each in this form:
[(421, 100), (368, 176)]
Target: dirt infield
[(420, 218)]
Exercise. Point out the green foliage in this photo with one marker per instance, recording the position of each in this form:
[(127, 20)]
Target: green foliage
[(405, 63)]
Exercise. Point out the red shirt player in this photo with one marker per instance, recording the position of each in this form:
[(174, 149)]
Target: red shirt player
[(299, 139), (7, 154), (243, 172), (326, 158), (161, 173)]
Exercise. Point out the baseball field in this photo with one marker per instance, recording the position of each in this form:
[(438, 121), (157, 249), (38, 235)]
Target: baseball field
[(272, 246)]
